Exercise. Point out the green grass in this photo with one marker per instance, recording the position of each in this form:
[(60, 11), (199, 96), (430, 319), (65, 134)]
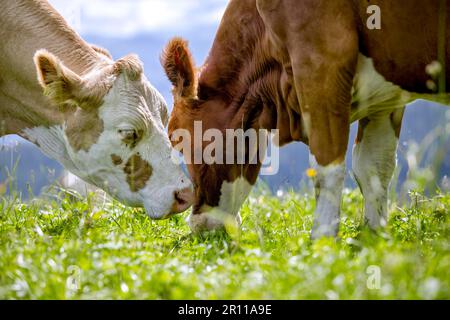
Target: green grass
[(69, 249)]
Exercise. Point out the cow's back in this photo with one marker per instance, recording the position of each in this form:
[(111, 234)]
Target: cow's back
[(407, 41)]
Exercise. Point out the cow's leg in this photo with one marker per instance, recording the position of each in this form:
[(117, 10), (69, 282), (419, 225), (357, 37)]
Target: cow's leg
[(328, 183), (325, 108), (324, 93), (319, 52), (374, 160)]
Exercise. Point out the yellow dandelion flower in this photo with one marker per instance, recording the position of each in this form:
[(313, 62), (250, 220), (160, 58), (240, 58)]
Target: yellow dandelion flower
[(311, 173)]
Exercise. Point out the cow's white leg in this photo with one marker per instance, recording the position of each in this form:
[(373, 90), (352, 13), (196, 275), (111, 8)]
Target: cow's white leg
[(328, 184), (374, 160)]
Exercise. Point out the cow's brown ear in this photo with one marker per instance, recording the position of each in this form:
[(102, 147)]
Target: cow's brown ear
[(179, 66), (59, 82)]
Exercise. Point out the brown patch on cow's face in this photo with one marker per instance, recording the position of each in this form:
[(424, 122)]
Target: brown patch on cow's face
[(83, 129), (116, 160), (138, 172)]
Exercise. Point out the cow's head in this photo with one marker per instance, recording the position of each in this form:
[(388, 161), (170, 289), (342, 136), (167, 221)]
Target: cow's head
[(113, 132), (219, 188)]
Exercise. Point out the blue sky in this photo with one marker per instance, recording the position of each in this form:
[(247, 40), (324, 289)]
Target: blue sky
[(144, 27), (118, 18)]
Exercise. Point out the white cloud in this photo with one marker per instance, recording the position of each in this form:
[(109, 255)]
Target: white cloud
[(118, 18)]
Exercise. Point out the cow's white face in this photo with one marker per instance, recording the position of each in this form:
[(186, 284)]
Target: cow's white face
[(115, 141), (131, 159)]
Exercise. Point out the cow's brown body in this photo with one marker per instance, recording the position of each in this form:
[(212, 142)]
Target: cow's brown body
[(402, 55), (297, 66)]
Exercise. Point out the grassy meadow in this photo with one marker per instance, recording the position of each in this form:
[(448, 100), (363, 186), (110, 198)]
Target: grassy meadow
[(72, 248)]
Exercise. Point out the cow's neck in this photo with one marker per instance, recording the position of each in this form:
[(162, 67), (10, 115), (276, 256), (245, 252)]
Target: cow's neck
[(241, 65), (234, 64), (25, 27)]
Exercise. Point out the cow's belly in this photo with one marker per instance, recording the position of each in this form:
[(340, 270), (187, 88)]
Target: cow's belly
[(373, 95)]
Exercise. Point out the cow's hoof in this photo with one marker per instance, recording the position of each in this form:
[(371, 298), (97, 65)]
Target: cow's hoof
[(210, 221), (319, 232)]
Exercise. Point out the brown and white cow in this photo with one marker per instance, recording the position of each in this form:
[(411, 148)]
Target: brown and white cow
[(309, 68), (102, 120)]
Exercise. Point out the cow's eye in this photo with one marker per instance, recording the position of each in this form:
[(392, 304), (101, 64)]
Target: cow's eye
[(130, 136)]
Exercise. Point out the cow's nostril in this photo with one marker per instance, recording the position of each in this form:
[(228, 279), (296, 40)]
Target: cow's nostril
[(179, 198), (182, 200)]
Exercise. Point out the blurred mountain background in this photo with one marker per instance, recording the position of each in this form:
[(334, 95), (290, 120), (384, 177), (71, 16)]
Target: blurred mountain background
[(144, 27)]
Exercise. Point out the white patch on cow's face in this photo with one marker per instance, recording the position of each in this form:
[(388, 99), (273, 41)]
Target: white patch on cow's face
[(129, 105), (233, 195)]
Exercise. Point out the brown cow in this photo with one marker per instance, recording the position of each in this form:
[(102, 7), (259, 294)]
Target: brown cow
[(309, 68)]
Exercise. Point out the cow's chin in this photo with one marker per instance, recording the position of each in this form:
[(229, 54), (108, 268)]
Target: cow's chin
[(226, 214), (213, 219)]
